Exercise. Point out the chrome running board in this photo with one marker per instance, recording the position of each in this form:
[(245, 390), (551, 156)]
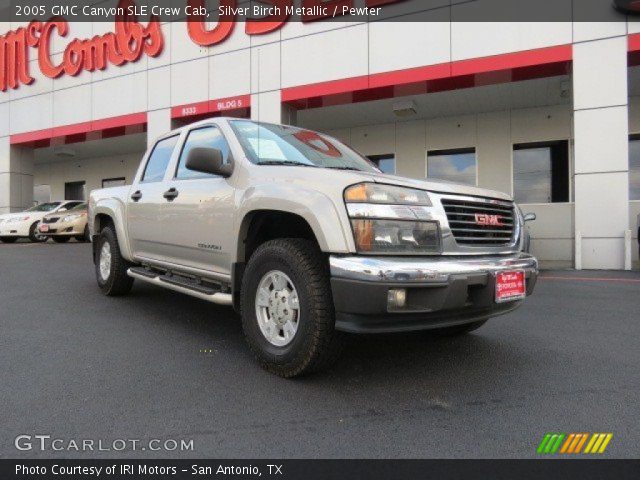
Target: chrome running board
[(172, 283)]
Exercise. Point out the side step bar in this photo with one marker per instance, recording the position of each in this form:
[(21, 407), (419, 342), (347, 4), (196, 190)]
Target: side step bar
[(173, 283)]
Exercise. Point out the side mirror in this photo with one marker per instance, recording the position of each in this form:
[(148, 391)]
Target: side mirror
[(530, 217), (208, 160), (63, 209)]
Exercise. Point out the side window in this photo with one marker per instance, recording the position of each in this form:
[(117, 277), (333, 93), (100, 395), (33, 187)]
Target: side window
[(201, 137), (159, 160), (541, 172)]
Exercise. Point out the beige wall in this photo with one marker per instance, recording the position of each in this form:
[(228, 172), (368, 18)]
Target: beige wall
[(92, 171)]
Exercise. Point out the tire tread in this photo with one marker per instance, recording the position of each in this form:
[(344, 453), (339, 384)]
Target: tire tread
[(326, 344)]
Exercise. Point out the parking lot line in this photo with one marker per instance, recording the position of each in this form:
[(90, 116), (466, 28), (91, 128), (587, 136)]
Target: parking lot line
[(592, 279)]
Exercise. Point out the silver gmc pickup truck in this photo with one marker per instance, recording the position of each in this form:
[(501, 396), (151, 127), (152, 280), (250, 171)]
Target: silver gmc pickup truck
[(307, 239)]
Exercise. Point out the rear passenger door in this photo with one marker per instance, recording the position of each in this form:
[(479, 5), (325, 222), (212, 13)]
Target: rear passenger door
[(146, 201), (198, 221)]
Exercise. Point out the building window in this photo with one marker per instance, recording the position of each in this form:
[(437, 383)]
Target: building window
[(634, 167), (386, 163), (541, 172), (113, 182), (74, 191), (458, 166)]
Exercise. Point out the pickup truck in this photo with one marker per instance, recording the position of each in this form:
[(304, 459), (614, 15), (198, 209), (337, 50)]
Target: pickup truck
[(308, 240)]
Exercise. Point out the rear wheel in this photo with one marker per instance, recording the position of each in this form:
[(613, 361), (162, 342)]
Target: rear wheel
[(111, 267), (61, 239), (35, 236), (287, 308), (8, 239)]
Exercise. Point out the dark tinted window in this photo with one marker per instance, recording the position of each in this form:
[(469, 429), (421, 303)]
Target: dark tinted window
[(201, 137), (386, 163), (159, 160), (541, 172), (71, 205)]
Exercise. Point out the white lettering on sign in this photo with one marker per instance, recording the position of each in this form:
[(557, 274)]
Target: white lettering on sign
[(186, 111), (230, 104)]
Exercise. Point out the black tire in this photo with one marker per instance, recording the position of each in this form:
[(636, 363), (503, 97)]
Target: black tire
[(316, 344), (8, 239), (33, 233), (86, 236), (117, 281), (458, 330), (61, 239)]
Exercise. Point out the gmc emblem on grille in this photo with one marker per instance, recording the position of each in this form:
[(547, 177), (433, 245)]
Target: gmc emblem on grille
[(488, 220)]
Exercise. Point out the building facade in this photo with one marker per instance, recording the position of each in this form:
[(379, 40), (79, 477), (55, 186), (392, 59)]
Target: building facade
[(547, 112)]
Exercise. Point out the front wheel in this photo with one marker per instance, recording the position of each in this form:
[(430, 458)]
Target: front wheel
[(287, 308), (35, 236), (111, 267)]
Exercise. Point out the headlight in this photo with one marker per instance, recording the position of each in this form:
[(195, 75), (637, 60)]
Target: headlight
[(392, 220), (396, 236), (18, 219), (71, 218), (385, 194)]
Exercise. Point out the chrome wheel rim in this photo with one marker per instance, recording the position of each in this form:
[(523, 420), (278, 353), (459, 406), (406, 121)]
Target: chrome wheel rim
[(277, 308), (105, 261)]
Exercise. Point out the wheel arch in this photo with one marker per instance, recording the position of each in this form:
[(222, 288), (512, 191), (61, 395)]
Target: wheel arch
[(111, 213)]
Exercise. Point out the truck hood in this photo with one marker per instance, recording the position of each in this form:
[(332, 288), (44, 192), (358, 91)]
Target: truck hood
[(440, 186), (333, 182)]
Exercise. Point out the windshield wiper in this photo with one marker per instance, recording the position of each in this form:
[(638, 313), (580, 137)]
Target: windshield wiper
[(288, 163), (345, 168)]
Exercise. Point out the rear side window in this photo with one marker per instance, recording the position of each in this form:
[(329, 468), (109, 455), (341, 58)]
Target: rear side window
[(201, 137), (159, 160)]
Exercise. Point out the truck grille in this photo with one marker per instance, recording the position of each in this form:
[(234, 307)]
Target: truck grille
[(480, 222)]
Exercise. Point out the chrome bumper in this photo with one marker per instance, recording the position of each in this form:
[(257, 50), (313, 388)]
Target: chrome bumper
[(440, 291), (426, 270)]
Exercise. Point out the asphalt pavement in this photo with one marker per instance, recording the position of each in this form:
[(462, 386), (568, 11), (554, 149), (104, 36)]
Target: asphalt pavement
[(159, 365)]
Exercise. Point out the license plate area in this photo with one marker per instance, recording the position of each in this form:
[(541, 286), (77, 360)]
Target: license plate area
[(510, 286), (44, 228)]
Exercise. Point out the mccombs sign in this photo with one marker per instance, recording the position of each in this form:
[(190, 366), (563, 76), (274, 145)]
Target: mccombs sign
[(130, 39)]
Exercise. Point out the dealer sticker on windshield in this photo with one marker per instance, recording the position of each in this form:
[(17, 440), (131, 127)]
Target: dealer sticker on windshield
[(510, 286)]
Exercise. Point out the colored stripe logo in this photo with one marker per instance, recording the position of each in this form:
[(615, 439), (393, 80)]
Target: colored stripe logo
[(574, 443)]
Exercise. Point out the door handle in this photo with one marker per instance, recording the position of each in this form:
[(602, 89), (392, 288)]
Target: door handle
[(170, 194), (136, 196)]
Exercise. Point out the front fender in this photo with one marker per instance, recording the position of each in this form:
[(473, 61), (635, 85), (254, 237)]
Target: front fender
[(115, 209), (328, 221)]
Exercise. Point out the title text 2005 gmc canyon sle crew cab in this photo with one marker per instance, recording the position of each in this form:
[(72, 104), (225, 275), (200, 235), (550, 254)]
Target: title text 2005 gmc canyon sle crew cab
[(307, 239)]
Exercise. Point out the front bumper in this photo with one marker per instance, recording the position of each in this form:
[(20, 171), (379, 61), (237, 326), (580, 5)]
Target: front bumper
[(441, 291), (61, 229), (17, 229)]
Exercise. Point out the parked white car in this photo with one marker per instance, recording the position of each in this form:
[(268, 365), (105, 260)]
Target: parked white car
[(25, 224)]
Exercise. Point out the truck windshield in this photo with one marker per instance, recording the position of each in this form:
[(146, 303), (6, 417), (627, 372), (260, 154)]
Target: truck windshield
[(268, 144)]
